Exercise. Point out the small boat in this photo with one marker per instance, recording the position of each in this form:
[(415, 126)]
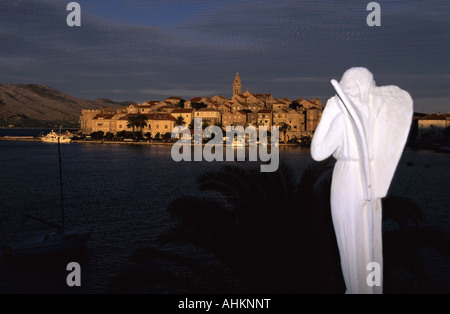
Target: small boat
[(53, 137), (47, 244), (53, 242)]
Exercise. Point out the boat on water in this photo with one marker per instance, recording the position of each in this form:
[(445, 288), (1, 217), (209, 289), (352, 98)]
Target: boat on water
[(52, 242), (53, 137), (49, 243)]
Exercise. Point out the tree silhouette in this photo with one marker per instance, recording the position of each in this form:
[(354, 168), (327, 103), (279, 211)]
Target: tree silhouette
[(272, 233), (137, 121), (141, 122), (132, 122), (180, 121), (284, 127)]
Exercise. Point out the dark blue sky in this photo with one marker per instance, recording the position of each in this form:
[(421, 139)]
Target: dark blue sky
[(150, 50)]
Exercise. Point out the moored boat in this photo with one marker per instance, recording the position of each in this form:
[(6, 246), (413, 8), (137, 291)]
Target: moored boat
[(48, 244), (53, 137)]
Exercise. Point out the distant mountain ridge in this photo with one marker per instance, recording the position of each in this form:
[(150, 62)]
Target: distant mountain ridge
[(35, 105)]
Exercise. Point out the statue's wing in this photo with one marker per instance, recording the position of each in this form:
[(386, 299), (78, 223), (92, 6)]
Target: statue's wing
[(390, 132), (361, 140)]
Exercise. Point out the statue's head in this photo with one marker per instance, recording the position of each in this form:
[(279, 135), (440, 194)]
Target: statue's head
[(356, 83)]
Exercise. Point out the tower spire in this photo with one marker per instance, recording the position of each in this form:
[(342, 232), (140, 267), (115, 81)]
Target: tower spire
[(237, 85)]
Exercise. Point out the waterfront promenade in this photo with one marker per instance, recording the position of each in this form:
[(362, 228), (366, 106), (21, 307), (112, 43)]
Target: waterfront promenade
[(107, 142)]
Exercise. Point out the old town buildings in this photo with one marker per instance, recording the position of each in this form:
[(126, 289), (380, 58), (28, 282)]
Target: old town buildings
[(302, 116)]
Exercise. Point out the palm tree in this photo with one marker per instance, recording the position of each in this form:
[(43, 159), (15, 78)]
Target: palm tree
[(141, 122), (284, 127), (137, 121), (132, 122), (274, 234), (180, 121)]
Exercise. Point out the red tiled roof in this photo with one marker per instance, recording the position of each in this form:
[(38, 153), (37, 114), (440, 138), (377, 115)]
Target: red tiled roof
[(265, 111), (183, 110), (196, 99), (208, 109), (159, 116), (435, 116)]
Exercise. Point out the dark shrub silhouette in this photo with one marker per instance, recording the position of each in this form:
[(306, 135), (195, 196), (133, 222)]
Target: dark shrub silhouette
[(268, 233)]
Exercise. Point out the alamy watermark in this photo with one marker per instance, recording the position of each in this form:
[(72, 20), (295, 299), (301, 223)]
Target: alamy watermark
[(74, 277), (374, 18), (213, 150), (374, 277), (74, 17)]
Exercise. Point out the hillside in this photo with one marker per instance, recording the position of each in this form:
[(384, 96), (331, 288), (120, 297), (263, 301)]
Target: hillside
[(42, 106)]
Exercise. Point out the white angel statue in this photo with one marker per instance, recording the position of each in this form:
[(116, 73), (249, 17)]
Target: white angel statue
[(365, 127)]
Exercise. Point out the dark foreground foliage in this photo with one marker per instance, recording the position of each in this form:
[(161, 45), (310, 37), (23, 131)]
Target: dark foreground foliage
[(267, 233)]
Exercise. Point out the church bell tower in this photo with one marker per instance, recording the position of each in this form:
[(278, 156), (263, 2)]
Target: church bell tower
[(237, 86)]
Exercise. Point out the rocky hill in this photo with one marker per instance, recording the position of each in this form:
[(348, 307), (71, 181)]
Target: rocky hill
[(43, 106)]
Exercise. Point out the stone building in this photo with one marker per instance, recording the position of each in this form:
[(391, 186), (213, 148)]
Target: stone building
[(265, 118), (86, 120), (159, 123), (186, 113), (313, 116), (234, 119), (208, 115)]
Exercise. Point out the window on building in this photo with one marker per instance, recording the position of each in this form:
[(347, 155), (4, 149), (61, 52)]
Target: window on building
[(120, 126), (100, 124), (157, 126), (166, 126)]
